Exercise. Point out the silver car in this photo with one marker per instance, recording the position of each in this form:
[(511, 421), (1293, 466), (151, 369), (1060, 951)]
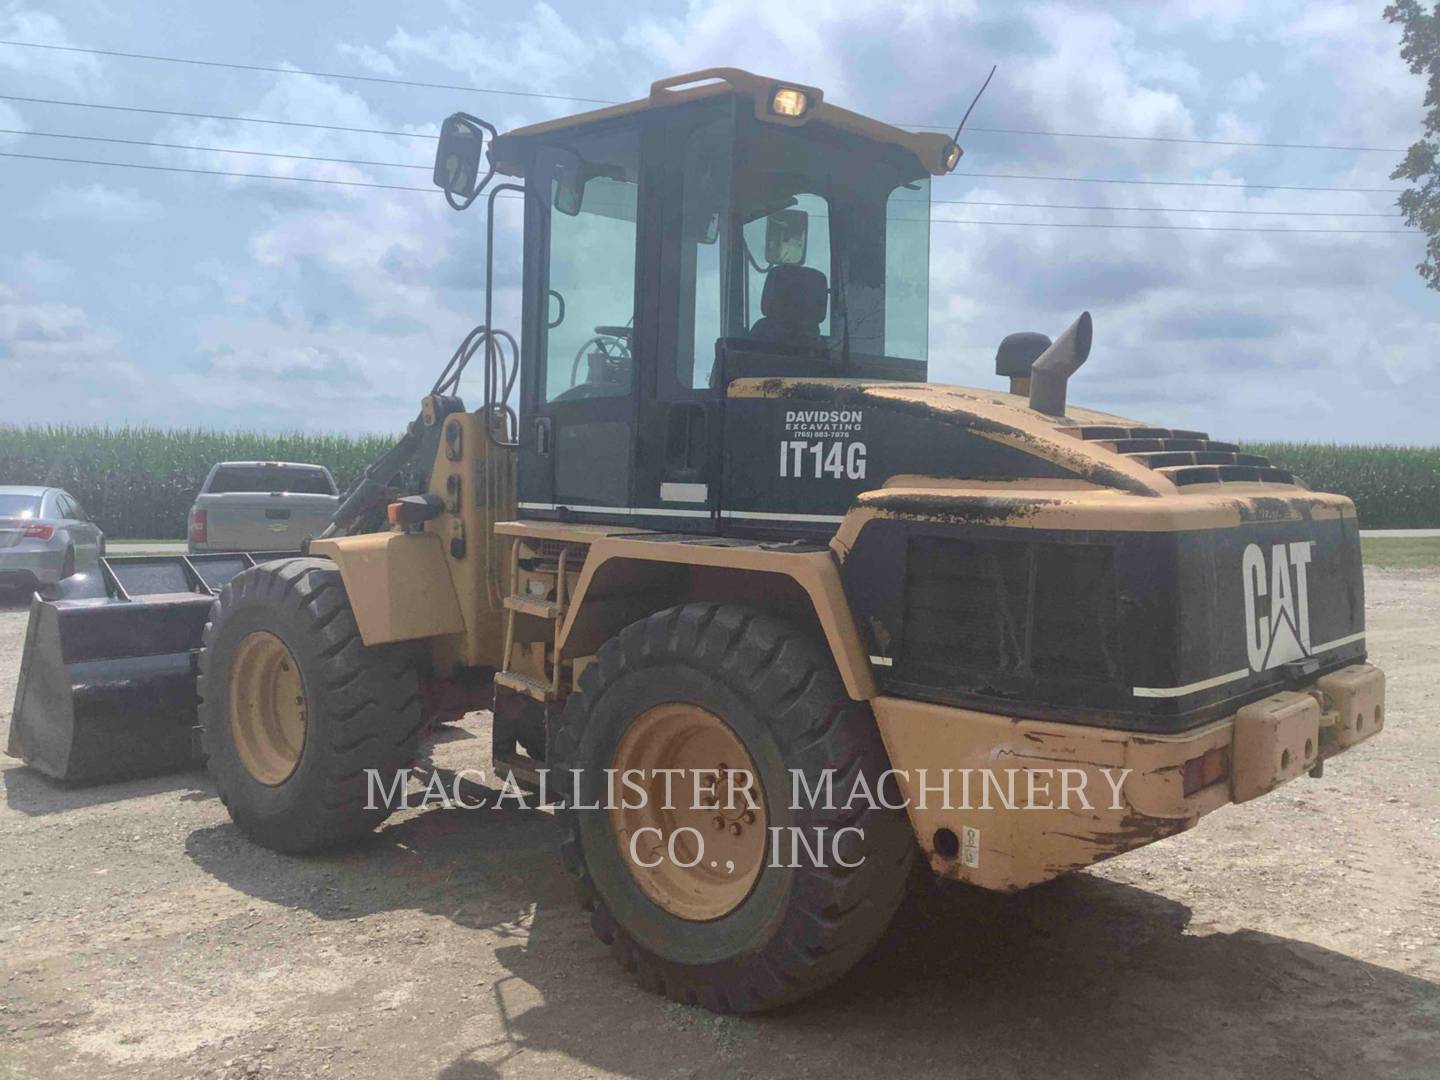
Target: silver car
[(45, 535)]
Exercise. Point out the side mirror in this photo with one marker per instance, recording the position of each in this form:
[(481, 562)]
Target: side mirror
[(459, 156), (787, 233)]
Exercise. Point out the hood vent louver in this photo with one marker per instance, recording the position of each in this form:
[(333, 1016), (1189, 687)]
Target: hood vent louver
[(1186, 457)]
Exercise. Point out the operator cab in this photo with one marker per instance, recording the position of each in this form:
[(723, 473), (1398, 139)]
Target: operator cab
[(728, 228)]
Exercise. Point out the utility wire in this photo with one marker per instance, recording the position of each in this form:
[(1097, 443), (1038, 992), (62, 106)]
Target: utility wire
[(224, 149), (315, 74), (1181, 228), (218, 172), (434, 191), (611, 101), (216, 116), (1168, 209), (949, 202), (422, 135), (1174, 183)]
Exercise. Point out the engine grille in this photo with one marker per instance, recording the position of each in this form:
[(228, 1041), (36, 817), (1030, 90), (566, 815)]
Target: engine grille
[(982, 613), (1186, 457)]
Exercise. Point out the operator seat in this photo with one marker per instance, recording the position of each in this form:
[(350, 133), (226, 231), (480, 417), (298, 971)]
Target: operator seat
[(792, 305)]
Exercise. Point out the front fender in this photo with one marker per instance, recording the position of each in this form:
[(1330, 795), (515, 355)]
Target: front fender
[(399, 585)]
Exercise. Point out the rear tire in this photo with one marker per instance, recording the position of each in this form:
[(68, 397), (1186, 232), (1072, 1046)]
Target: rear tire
[(67, 567), (301, 784), (799, 928)]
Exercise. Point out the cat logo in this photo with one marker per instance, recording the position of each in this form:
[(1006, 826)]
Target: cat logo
[(1283, 633)]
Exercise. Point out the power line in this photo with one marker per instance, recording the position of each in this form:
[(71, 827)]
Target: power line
[(950, 202), (1173, 139), (219, 149), (1180, 228), (315, 74), (1174, 183), (1168, 209), (218, 172), (216, 116), (422, 135), (611, 101), (433, 191)]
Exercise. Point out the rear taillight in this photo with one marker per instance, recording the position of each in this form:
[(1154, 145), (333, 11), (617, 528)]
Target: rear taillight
[(39, 532), (197, 525)]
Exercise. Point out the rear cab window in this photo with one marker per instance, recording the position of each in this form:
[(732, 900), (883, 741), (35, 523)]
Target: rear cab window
[(270, 479)]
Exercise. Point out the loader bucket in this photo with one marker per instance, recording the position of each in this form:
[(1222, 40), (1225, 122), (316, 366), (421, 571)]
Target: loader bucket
[(107, 678)]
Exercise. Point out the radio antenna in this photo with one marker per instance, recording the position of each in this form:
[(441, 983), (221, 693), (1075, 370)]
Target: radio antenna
[(956, 137)]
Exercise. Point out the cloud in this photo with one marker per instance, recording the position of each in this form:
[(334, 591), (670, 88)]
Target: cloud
[(55, 365), (96, 202), (10, 118), (371, 59), (540, 52), (39, 67)]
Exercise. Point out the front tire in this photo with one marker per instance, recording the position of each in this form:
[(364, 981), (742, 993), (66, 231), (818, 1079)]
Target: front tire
[(295, 710), (653, 698)]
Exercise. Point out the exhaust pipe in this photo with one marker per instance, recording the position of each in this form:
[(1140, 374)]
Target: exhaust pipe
[(1051, 371)]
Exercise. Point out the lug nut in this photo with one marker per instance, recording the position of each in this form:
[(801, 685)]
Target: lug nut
[(749, 817), (718, 822), (735, 829)]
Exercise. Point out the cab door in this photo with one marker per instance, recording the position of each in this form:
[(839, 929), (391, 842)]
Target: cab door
[(678, 477), (587, 291)]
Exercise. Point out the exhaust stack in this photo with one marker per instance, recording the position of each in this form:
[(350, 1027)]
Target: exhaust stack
[(1051, 372)]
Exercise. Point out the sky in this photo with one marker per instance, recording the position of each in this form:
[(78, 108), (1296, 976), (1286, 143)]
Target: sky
[(132, 296)]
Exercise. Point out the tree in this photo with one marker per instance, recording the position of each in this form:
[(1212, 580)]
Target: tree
[(1420, 48)]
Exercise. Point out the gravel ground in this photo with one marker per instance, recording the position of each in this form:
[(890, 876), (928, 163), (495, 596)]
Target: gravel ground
[(1298, 935)]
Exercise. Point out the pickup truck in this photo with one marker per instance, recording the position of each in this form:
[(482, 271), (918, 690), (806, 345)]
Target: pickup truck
[(261, 506)]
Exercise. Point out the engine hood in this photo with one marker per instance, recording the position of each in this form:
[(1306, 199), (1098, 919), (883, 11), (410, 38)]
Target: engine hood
[(814, 448)]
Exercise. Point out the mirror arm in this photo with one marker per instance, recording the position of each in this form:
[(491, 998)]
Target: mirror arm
[(493, 381)]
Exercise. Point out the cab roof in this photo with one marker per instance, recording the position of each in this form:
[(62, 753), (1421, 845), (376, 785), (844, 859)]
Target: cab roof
[(930, 147)]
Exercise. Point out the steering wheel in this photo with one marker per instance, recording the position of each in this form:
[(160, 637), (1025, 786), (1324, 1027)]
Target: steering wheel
[(613, 345)]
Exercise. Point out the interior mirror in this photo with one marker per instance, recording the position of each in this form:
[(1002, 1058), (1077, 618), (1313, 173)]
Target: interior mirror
[(787, 233), (702, 226), (458, 157), (569, 193)]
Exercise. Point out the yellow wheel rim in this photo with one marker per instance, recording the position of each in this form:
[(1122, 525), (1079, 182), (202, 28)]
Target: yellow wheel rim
[(267, 708), (715, 866)]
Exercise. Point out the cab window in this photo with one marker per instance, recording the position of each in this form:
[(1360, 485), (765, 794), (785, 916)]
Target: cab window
[(592, 201)]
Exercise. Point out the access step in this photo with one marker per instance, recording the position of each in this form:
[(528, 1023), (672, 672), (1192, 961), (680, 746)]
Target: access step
[(529, 605), (538, 689)]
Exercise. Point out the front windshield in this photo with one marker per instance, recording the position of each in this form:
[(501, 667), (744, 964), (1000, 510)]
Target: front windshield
[(834, 247)]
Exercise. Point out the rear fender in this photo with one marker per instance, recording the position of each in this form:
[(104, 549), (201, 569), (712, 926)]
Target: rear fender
[(627, 579)]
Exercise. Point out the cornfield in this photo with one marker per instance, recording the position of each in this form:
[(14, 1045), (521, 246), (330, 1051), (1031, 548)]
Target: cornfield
[(139, 482), (1393, 487)]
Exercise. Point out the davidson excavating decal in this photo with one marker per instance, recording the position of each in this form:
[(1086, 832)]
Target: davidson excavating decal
[(1283, 634), (822, 443)]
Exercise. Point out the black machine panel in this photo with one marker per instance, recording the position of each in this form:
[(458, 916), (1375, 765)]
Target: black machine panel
[(1146, 631), (811, 453)]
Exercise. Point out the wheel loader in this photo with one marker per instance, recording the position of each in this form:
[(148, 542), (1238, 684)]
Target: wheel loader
[(709, 519)]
